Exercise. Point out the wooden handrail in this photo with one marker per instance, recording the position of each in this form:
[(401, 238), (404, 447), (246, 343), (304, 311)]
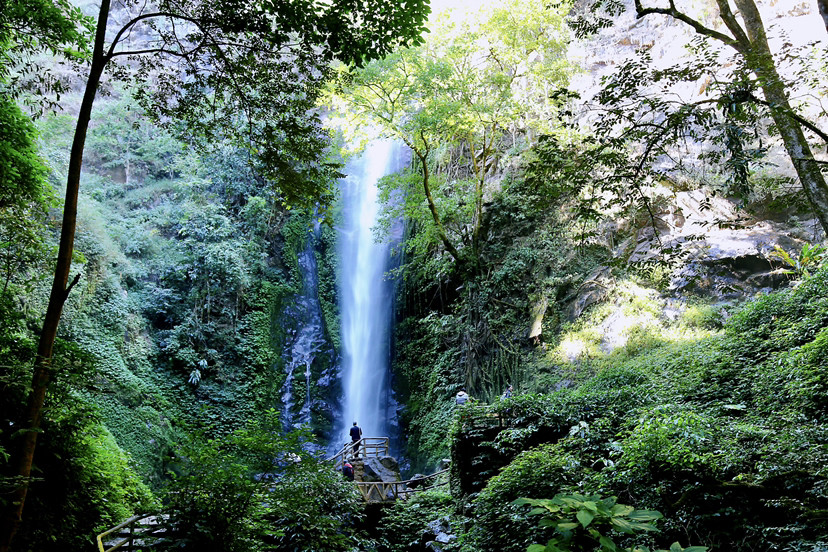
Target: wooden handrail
[(369, 447), (128, 538), (398, 490)]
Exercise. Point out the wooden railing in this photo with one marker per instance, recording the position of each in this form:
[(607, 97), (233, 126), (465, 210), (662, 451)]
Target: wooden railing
[(378, 491), (140, 532), (137, 533), (368, 447)]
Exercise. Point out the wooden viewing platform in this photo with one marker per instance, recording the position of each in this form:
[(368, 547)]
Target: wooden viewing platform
[(369, 447), (141, 531), (382, 492), (137, 533)]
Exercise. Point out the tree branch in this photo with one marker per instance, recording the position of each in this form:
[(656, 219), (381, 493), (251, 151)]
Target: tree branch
[(72, 284), (730, 21), (641, 11), (137, 19), (793, 115)]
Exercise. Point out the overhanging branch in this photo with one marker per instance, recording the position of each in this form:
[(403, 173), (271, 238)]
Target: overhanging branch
[(672, 11)]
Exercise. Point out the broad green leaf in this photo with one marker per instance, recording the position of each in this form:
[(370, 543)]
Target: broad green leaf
[(621, 510), (622, 525), (645, 515), (566, 526), (584, 517), (607, 543)]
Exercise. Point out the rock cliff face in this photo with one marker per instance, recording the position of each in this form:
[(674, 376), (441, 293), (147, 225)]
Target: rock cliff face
[(725, 253), (725, 250), (719, 249)]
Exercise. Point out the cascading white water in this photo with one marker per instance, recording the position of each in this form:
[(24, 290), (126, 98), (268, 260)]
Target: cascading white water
[(306, 340), (366, 295)]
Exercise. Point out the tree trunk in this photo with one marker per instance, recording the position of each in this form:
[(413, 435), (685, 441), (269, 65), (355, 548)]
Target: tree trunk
[(60, 291), (760, 60), (433, 208), (823, 11)]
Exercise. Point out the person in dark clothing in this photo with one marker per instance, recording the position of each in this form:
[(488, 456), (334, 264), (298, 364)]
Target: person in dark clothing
[(348, 471), (356, 435)]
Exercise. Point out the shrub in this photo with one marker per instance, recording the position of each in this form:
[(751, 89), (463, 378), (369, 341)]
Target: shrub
[(254, 490), (403, 527), (542, 472), (582, 522)]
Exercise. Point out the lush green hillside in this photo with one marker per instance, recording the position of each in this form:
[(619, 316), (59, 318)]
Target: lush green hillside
[(636, 264), (177, 323), (725, 435)]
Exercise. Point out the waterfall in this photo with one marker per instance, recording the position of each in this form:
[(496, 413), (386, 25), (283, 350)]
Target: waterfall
[(366, 295), (307, 338)]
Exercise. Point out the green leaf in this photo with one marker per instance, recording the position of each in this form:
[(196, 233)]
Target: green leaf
[(621, 510), (623, 525), (536, 548), (607, 543), (591, 506), (584, 517), (566, 526), (645, 515)]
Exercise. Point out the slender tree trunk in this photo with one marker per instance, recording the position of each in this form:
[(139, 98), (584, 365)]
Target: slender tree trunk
[(752, 42), (760, 60), (60, 291), (433, 208)]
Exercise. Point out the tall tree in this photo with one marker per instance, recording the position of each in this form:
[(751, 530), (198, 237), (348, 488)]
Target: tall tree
[(227, 68), (475, 88), (744, 31)]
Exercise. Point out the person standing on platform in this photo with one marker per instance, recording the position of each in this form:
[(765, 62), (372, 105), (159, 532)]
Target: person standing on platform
[(356, 435)]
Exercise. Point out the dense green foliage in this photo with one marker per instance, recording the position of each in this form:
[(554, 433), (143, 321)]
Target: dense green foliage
[(257, 490), (722, 435), (177, 319), (84, 481), (402, 528), (582, 522), (188, 246)]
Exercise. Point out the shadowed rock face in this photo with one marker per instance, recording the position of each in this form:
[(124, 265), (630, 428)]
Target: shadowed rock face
[(385, 469), (724, 253)]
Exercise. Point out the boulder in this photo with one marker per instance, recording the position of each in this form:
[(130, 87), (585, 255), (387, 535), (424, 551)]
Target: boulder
[(384, 469), (725, 254), (437, 534), (416, 480)]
